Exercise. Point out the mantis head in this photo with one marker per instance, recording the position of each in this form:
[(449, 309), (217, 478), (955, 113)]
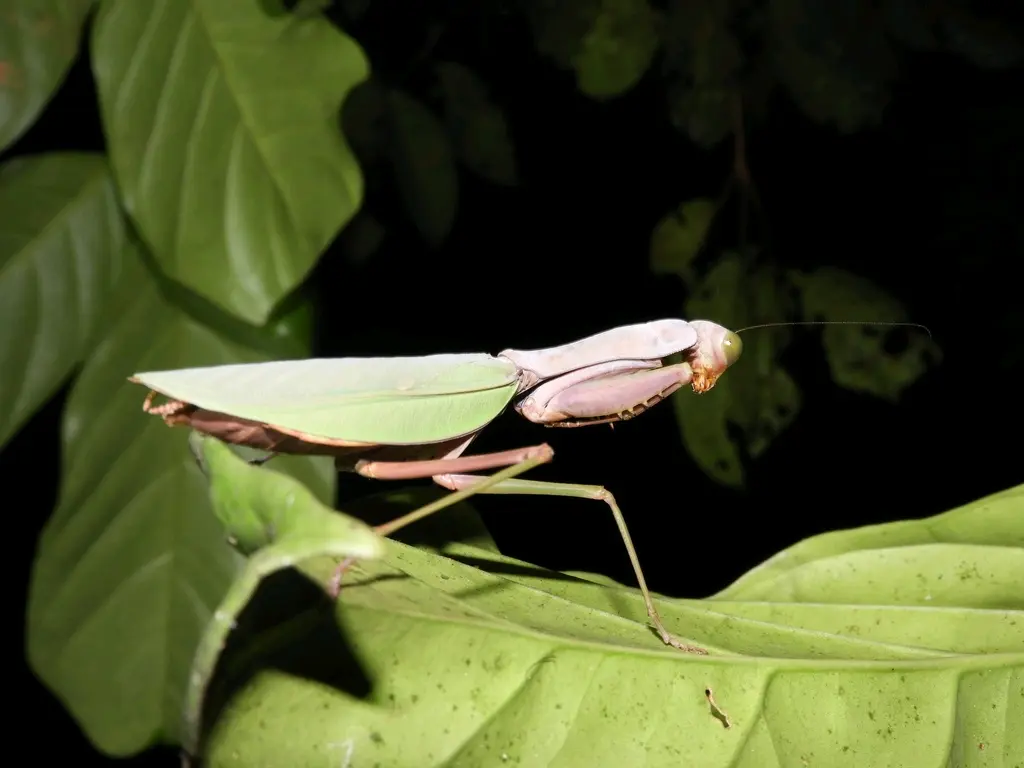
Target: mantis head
[(716, 349)]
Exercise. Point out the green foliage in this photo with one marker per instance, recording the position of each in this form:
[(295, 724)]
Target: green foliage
[(678, 237), (763, 400), (62, 250), (38, 43), (222, 126), (227, 176), (757, 401), (277, 521), (132, 542), (836, 61), (858, 357), (608, 44), (476, 125), (423, 165), (916, 657)]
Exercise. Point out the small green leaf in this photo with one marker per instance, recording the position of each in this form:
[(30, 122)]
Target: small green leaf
[(756, 395), (132, 563), (424, 166), (609, 44), (260, 507), (678, 237), (62, 250), (38, 43), (476, 125), (510, 664), (618, 49), (222, 124), (857, 354), (277, 522)]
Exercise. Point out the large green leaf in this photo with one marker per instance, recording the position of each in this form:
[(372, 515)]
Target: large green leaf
[(222, 123), (508, 664), (132, 563), (62, 244), (934, 561), (38, 42), (277, 520)]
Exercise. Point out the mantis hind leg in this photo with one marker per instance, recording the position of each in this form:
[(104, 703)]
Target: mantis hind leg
[(598, 493)]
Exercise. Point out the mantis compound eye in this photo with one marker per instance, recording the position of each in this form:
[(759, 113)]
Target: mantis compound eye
[(732, 348)]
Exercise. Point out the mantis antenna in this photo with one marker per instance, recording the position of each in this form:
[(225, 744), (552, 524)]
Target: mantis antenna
[(839, 322)]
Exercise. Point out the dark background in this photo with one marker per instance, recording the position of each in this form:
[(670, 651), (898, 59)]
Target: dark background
[(928, 206)]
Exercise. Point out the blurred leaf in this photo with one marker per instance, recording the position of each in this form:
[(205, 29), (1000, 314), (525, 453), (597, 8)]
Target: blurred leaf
[(424, 166), (911, 23), (704, 421), (510, 664), (132, 563), (364, 119), (277, 522), (703, 59), (305, 8), (354, 9), (222, 127), (618, 49), (362, 238), (559, 27), (858, 355), (476, 125), (609, 44), (986, 43), (62, 242), (755, 400), (703, 113), (38, 43), (834, 59), (678, 237)]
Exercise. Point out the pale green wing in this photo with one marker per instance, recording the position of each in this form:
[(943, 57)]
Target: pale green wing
[(387, 400)]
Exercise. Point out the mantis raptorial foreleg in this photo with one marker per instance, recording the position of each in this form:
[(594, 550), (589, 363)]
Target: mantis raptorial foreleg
[(596, 492)]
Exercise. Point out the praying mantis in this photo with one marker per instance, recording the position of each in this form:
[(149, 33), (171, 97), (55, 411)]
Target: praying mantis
[(403, 418)]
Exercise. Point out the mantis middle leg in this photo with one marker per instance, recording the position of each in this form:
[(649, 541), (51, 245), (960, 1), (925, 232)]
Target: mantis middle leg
[(576, 491), (504, 483)]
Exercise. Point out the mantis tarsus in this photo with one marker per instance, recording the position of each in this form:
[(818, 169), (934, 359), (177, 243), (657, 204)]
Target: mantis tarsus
[(413, 417)]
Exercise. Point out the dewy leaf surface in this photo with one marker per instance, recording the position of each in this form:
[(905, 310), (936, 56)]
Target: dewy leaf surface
[(132, 563), (222, 123), (62, 249), (38, 42), (510, 665)]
